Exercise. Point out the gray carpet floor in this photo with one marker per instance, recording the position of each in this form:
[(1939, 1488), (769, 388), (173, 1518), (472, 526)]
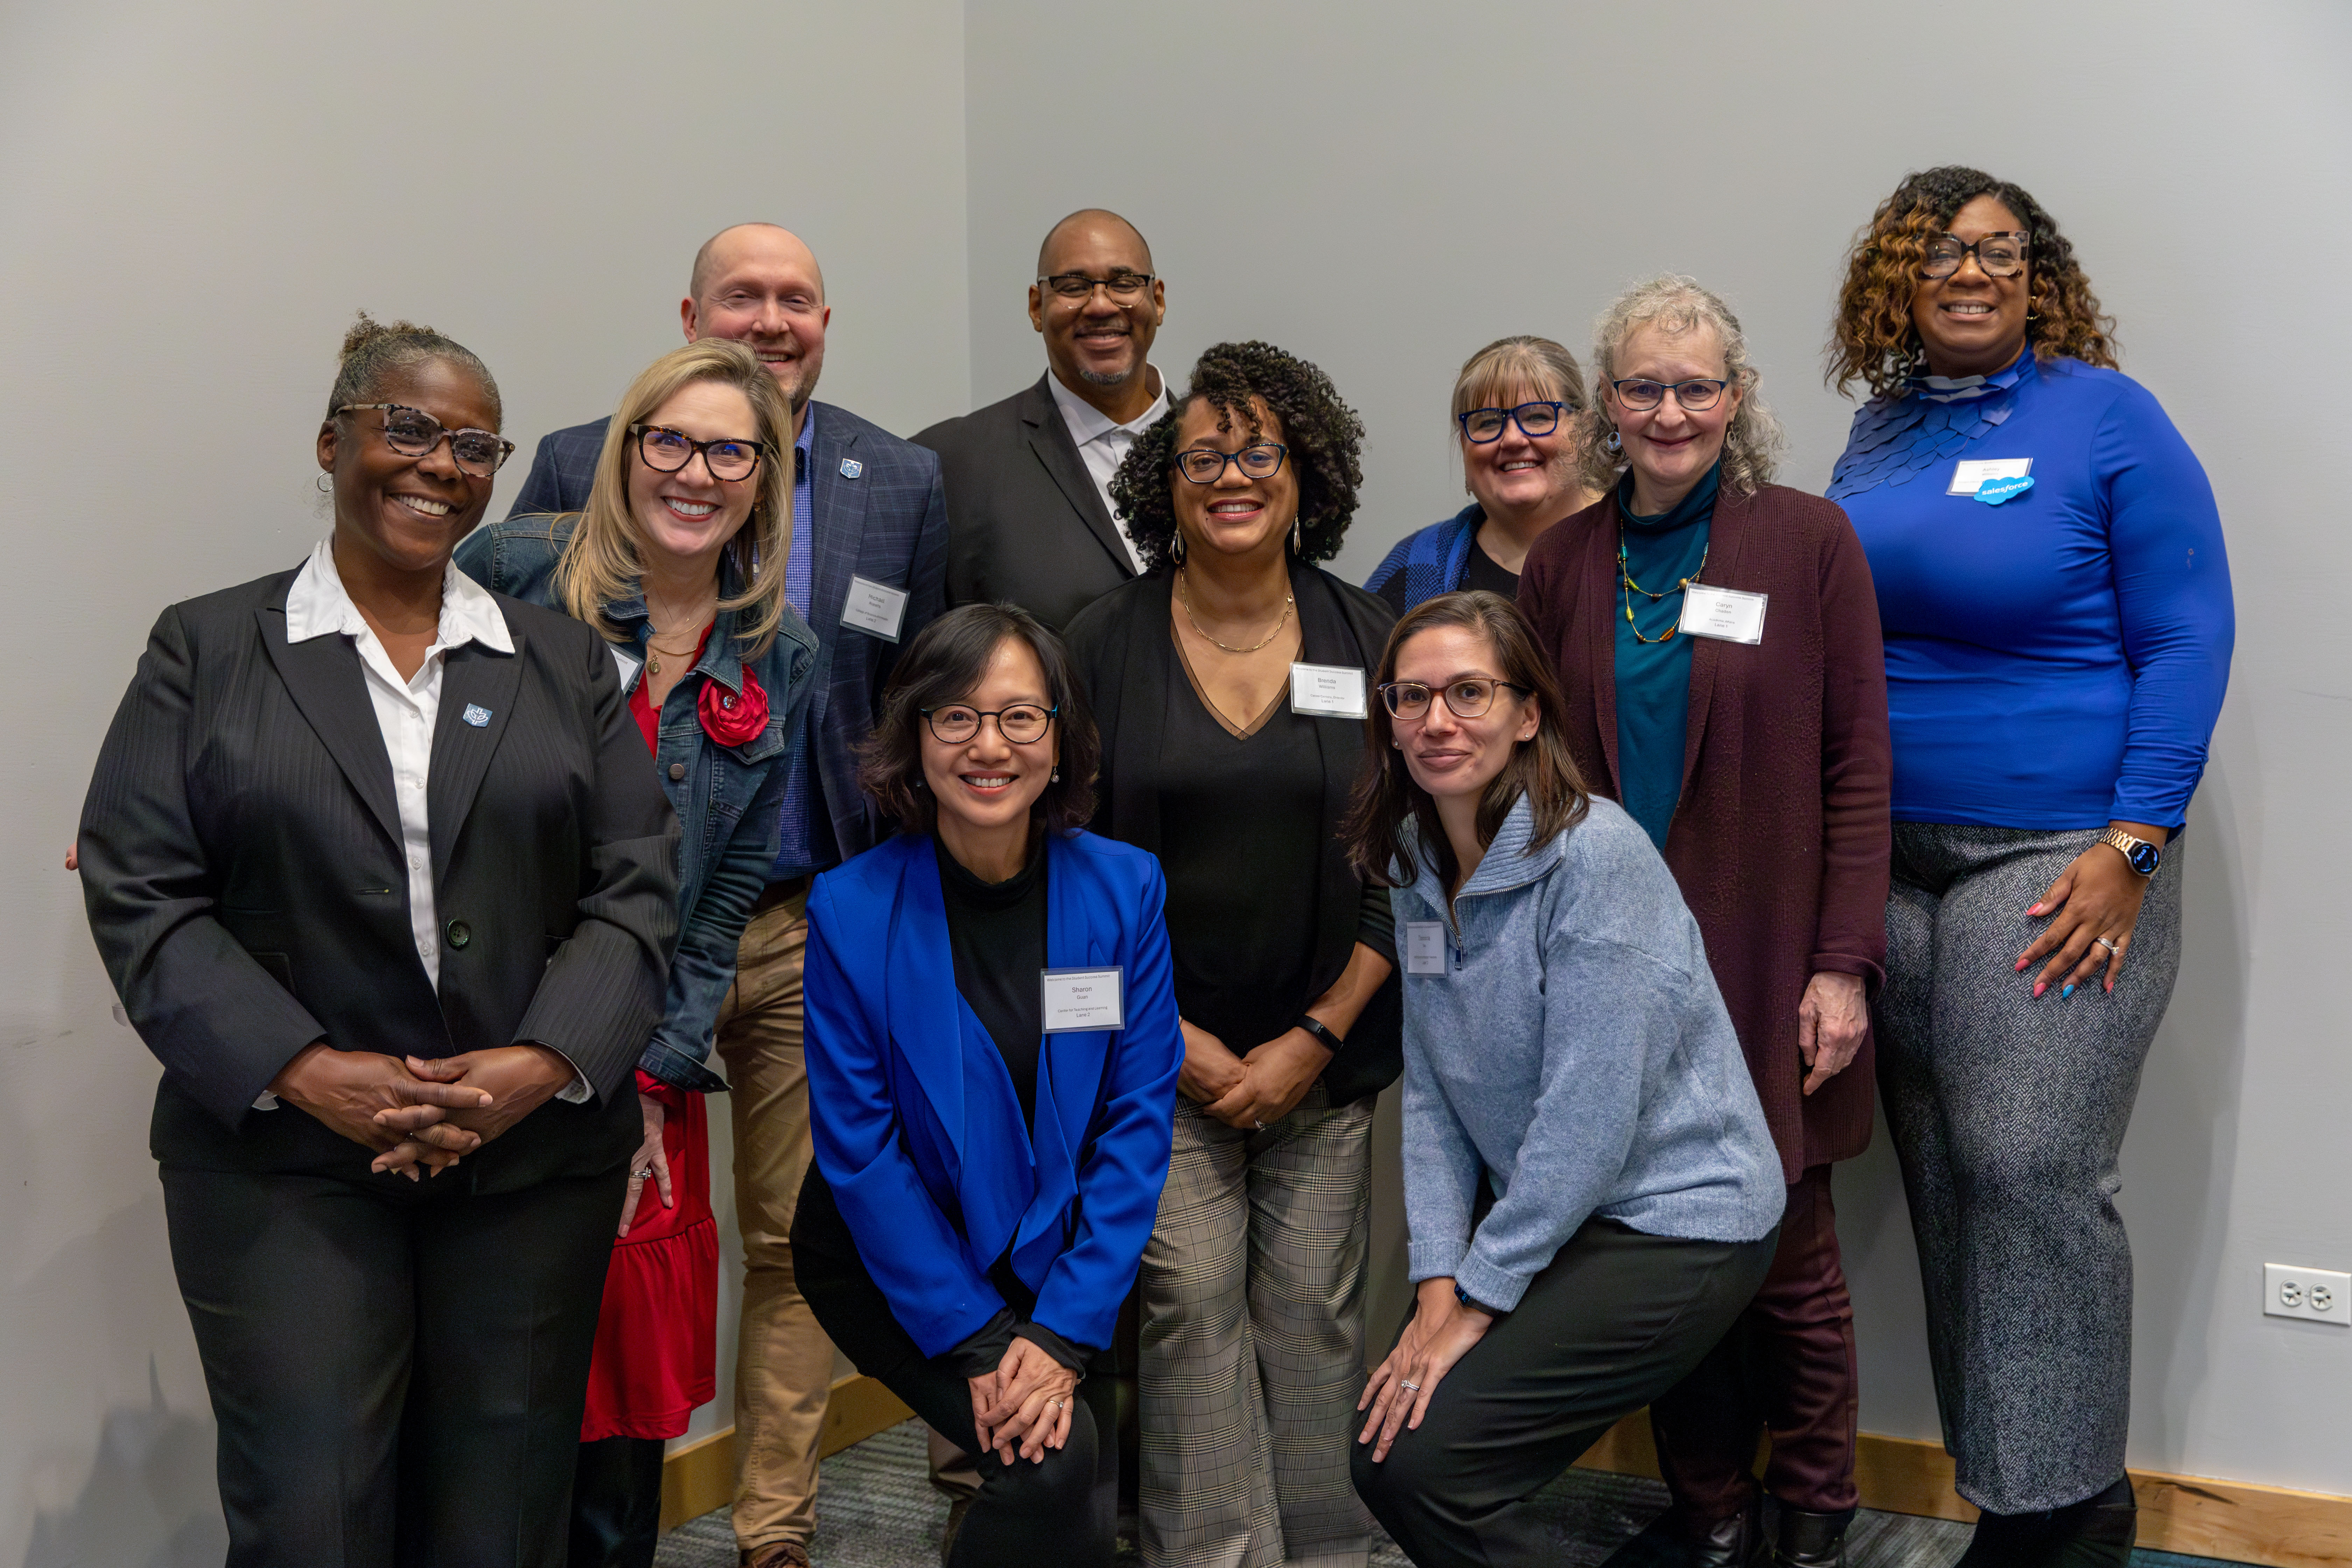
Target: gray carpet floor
[(878, 1511)]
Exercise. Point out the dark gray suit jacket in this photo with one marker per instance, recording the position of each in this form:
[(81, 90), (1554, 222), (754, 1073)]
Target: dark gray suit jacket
[(880, 515), (242, 864), (1024, 522)]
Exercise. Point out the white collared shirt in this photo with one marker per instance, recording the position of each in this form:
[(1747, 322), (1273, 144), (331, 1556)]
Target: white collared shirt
[(318, 606), (1104, 443)]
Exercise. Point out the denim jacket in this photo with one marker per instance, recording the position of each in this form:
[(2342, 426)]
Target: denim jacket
[(728, 799)]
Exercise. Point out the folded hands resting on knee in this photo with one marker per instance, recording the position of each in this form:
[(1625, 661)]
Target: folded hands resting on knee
[(1024, 1407)]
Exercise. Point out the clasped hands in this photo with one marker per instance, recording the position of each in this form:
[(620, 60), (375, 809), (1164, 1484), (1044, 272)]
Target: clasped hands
[(1023, 1406), (420, 1117), (1250, 1092)]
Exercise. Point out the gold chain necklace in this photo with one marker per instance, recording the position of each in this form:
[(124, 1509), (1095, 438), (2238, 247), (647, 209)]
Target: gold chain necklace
[(1185, 599)]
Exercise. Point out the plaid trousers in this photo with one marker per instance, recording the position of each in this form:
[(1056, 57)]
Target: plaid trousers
[(1252, 1341)]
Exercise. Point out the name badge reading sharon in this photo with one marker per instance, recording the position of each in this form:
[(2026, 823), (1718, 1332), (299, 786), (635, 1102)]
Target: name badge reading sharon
[(1328, 690), (1723, 613), (875, 609), (1424, 947), (1083, 999), (1969, 476)]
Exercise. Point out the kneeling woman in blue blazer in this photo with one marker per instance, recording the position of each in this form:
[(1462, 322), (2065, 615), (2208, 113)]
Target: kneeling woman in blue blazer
[(992, 1046)]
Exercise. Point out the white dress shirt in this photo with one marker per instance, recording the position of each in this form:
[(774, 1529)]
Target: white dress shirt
[(1104, 443), (318, 606)]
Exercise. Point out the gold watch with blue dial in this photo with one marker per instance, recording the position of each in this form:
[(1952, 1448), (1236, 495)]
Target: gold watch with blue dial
[(2144, 856)]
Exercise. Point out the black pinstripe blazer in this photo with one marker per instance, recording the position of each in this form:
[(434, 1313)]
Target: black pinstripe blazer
[(241, 861)]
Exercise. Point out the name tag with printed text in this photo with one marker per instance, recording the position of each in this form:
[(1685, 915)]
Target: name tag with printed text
[(1424, 947), (1083, 999), (1725, 613), (874, 608), (1969, 476), (1328, 690)]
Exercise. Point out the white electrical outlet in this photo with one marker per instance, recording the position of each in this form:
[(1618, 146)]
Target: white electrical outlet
[(2319, 1295)]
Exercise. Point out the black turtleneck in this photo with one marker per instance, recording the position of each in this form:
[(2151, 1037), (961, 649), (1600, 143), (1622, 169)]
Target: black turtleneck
[(997, 932)]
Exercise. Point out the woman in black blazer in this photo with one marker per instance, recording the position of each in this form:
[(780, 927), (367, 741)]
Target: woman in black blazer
[(374, 862)]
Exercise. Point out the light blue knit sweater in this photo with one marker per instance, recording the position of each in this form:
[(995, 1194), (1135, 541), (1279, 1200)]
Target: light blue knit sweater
[(1576, 1047)]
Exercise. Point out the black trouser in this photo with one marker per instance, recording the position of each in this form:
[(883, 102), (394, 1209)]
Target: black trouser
[(617, 1503), (397, 1369), (1616, 1320), (1063, 1508)]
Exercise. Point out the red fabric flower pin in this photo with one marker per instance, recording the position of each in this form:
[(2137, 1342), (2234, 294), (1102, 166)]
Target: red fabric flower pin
[(728, 718)]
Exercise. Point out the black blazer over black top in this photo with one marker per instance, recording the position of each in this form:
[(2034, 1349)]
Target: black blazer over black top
[(242, 863), (1112, 647), (1025, 524)]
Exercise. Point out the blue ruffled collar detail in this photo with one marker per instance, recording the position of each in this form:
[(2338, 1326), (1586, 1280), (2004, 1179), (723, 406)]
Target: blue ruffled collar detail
[(1896, 439)]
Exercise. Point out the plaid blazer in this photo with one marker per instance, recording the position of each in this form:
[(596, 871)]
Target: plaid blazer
[(878, 512)]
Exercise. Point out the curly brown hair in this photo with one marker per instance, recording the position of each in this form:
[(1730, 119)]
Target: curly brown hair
[(1874, 341), (1323, 437)]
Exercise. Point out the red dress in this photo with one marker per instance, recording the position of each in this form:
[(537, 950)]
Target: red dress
[(656, 1353)]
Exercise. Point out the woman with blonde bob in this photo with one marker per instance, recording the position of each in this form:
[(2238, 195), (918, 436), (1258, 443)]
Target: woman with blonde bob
[(1516, 406), (678, 559), (1717, 638)]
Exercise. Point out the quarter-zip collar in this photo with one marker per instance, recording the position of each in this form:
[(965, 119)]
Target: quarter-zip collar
[(1509, 862)]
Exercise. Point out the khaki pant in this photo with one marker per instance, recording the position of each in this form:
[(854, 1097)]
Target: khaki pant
[(784, 1368)]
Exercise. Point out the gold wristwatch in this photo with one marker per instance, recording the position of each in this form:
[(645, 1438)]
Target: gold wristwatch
[(2144, 856)]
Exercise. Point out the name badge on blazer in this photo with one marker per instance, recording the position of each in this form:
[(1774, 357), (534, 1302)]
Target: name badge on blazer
[(1723, 613), (1424, 947), (1328, 690), (874, 608), (1083, 999)]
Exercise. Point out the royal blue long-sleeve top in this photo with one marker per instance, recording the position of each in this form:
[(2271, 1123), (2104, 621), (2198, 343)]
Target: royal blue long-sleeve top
[(2055, 660)]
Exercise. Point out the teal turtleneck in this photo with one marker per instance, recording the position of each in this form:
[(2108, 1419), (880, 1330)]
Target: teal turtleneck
[(1653, 677)]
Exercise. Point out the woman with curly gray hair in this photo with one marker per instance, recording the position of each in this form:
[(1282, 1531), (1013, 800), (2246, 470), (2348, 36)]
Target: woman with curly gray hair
[(1716, 637)]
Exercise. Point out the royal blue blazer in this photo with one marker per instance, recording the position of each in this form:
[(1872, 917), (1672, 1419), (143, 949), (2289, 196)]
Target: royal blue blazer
[(916, 1126)]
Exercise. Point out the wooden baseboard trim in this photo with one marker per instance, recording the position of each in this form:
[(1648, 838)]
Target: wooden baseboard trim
[(700, 1476), (2188, 1514)]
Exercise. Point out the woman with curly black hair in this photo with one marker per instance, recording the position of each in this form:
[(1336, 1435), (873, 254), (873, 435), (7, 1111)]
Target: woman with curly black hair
[(2057, 616), (1229, 683)]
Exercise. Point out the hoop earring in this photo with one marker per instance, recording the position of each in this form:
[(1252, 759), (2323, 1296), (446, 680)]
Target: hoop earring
[(326, 484), (1176, 548)]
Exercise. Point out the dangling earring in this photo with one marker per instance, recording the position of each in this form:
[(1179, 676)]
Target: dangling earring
[(1057, 772), (755, 548), (1615, 445), (1294, 536), (326, 484)]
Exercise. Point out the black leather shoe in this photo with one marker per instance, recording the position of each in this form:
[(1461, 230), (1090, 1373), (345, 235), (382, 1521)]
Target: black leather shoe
[(1734, 1543), (2097, 1532), (1811, 1540)]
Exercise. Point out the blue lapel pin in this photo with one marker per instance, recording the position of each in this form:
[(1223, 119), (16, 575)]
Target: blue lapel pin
[(851, 468), (476, 714)]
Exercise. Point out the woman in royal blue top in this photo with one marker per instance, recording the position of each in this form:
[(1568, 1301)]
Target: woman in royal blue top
[(2057, 618), (993, 1049)]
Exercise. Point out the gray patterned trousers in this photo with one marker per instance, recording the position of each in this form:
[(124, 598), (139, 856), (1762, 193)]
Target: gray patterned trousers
[(2008, 1114), (1252, 1341)]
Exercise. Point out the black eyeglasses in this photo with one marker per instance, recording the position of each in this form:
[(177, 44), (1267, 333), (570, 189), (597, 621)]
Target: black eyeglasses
[(1999, 255), (1468, 698), (1695, 395), (1481, 425), (413, 433), (1020, 724), (1124, 288), (670, 450), (1206, 465)]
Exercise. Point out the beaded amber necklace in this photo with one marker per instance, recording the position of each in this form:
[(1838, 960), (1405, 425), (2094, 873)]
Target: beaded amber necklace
[(1625, 576)]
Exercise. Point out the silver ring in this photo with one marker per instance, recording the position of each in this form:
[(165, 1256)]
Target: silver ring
[(2110, 946), (1259, 1125), (1409, 1387), (1059, 1404), (645, 1175)]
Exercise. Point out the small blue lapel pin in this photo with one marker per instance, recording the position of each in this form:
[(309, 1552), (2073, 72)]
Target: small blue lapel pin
[(476, 714), (851, 468)]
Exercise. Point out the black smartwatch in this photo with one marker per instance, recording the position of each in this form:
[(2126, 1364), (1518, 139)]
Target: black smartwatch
[(1322, 1033)]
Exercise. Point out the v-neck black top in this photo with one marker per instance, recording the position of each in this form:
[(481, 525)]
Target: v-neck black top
[(997, 933)]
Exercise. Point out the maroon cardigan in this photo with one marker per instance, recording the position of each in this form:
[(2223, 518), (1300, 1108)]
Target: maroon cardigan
[(1781, 840)]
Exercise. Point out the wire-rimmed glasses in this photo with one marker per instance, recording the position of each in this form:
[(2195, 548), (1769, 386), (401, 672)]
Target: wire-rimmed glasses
[(1206, 465), (1697, 395), (667, 451), (960, 721), (1124, 288), (2001, 254), (1482, 425), (1467, 698), (413, 433)]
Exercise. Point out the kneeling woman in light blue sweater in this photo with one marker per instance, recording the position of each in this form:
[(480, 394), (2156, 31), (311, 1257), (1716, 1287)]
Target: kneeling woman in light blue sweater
[(1565, 1051)]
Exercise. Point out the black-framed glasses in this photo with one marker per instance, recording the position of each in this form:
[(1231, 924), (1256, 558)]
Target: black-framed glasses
[(1999, 255), (667, 451), (413, 433), (1697, 395), (1468, 696), (1124, 288), (960, 721), (1206, 465), (1481, 425)]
